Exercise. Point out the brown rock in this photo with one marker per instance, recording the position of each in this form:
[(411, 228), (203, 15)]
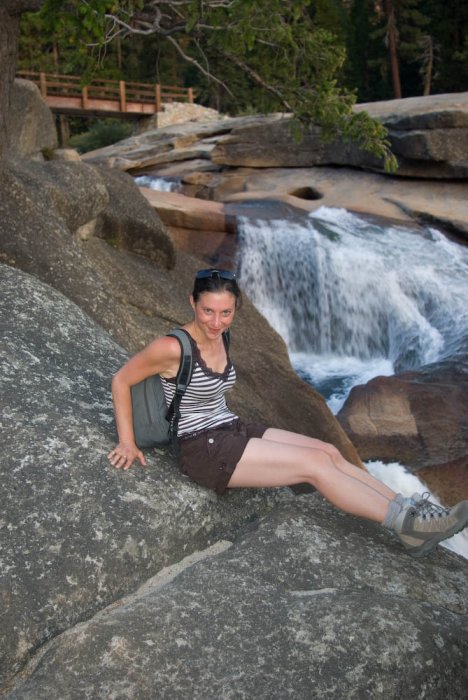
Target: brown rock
[(443, 204), (130, 222), (418, 418), (427, 134), (448, 481), (188, 212)]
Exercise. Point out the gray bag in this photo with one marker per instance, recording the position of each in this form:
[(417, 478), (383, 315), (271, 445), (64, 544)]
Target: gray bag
[(154, 424)]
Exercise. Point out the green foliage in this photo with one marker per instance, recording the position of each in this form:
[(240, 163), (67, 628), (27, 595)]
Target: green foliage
[(103, 132), (269, 55), (438, 25)]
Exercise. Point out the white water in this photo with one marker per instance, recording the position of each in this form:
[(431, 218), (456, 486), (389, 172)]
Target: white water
[(161, 184), (354, 300)]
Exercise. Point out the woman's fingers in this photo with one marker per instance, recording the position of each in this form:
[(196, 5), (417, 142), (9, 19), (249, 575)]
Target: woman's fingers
[(122, 457)]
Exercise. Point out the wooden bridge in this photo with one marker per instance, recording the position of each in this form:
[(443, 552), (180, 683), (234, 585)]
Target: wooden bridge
[(65, 94)]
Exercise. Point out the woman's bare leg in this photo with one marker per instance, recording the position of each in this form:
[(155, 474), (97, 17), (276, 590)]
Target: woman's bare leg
[(269, 463), (338, 460)]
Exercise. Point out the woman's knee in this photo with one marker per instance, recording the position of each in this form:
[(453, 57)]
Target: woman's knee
[(330, 450), (320, 464)]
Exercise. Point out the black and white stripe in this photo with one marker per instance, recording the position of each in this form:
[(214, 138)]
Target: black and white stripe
[(203, 405)]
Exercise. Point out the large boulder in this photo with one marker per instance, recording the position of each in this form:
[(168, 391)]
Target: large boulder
[(419, 418), (129, 223), (170, 144), (429, 136), (306, 603), (442, 204), (32, 127), (75, 534), (45, 208)]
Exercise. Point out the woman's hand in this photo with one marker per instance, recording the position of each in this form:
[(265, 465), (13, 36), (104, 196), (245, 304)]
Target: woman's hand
[(123, 456)]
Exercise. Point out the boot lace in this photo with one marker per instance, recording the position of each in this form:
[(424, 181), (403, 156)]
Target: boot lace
[(426, 509)]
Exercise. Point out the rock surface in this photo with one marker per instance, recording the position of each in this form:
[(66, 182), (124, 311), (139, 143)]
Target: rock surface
[(419, 418), (178, 113), (307, 603), (46, 210), (75, 534), (32, 127), (443, 204), (256, 157), (427, 134)]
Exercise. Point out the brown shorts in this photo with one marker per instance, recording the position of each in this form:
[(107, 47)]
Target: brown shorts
[(210, 457)]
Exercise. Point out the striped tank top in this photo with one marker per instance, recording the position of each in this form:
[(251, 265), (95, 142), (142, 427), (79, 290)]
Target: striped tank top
[(203, 405)]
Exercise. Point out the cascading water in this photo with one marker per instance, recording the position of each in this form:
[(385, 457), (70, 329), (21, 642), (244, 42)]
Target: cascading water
[(161, 184), (353, 299)]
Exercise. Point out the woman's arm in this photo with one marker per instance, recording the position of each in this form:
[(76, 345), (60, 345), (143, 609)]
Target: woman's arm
[(162, 356)]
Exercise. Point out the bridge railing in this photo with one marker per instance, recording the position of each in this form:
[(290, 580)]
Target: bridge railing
[(122, 95)]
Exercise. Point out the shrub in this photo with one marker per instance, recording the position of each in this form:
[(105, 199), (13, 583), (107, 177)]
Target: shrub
[(102, 133)]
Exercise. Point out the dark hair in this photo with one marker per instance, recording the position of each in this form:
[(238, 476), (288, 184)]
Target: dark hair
[(213, 280)]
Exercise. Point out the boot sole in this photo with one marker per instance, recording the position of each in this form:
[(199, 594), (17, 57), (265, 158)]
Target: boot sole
[(428, 546)]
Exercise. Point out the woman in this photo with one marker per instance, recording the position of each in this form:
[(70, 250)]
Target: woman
[(219, 451)]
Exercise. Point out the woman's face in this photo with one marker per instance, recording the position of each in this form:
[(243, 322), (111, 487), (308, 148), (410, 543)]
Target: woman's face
[(214, 312)]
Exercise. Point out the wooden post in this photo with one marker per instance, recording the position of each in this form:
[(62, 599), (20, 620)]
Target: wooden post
[(190, 95), (123, 96), (84, 97), (43, 84), (63, 130), (157, 90)]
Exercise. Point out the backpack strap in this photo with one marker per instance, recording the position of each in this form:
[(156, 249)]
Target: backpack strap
[(183, 378)]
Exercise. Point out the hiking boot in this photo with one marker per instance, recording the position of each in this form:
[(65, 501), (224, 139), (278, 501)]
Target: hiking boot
[(422, 524)]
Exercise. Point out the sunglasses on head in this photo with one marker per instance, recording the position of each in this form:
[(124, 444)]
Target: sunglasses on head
[(209, 273)]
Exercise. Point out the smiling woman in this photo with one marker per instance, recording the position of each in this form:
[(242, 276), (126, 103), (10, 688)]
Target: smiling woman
[(218, 450)]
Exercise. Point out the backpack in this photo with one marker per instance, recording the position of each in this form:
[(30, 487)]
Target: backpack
[(154, 424)]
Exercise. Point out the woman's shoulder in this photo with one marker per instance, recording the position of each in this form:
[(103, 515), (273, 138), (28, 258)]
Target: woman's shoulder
[(165, 346)]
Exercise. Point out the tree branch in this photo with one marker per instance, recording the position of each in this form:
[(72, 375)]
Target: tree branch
[(259, 80), (195, 63)]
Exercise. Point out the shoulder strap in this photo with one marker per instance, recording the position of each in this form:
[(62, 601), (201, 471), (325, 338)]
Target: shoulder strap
[(183, 377), (184, 373)]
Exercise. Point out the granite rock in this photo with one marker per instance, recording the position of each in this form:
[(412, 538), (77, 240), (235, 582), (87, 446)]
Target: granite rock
[(419, 418), (75, 533), (306, 603), (32, 126)]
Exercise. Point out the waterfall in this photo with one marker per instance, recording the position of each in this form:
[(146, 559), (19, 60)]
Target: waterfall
[(353, 299), (161, 184)]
